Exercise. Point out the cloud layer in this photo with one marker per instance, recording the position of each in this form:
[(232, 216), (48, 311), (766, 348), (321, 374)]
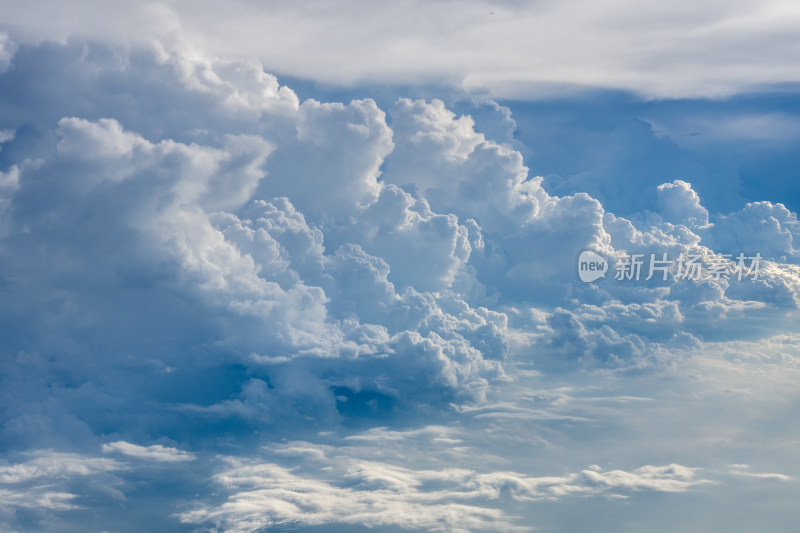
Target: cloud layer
[(507, 48)]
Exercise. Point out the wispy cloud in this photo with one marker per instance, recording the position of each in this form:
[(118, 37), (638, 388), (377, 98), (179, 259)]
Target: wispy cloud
[(156, 452), (351, 491)]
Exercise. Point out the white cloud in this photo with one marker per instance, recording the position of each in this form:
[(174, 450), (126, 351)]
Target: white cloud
[(744, 470), (47, 464), (155, 452), (46, 482), (763, 227), (202, 258), (423, 249), (671, 478), (39, 499), (270, 495), (681, 205), (329, 161), (344, 490)]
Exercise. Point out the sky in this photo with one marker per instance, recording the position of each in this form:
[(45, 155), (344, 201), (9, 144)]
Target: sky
[(345, 266)]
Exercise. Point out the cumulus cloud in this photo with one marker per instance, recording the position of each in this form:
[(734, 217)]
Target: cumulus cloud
[(203, 258), (681, 205), (529, 234), (268, 224), (759, 226)]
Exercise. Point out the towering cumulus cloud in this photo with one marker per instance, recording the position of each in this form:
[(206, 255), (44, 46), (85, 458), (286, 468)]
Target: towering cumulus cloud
[(228, 308)]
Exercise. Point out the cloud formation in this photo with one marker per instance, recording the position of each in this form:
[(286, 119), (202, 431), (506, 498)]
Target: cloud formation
[(156, 452), (352, 315), (504, 47), (336, 486)]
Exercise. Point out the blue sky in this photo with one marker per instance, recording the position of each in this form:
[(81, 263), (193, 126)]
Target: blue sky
[(314, 266)]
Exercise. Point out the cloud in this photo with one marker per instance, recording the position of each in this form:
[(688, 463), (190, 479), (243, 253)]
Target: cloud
[(47, 465), (353, 316), (269, 495), (191, 208), (337, 151), (50, 481), (7, 49), (699, 50), (671, 478), (681, 205), (6, 135), (156, 452), (346, 490), (744, 470), (762, 226), (457, 170)]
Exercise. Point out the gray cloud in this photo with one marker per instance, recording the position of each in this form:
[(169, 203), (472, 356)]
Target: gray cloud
[(507, 48)]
